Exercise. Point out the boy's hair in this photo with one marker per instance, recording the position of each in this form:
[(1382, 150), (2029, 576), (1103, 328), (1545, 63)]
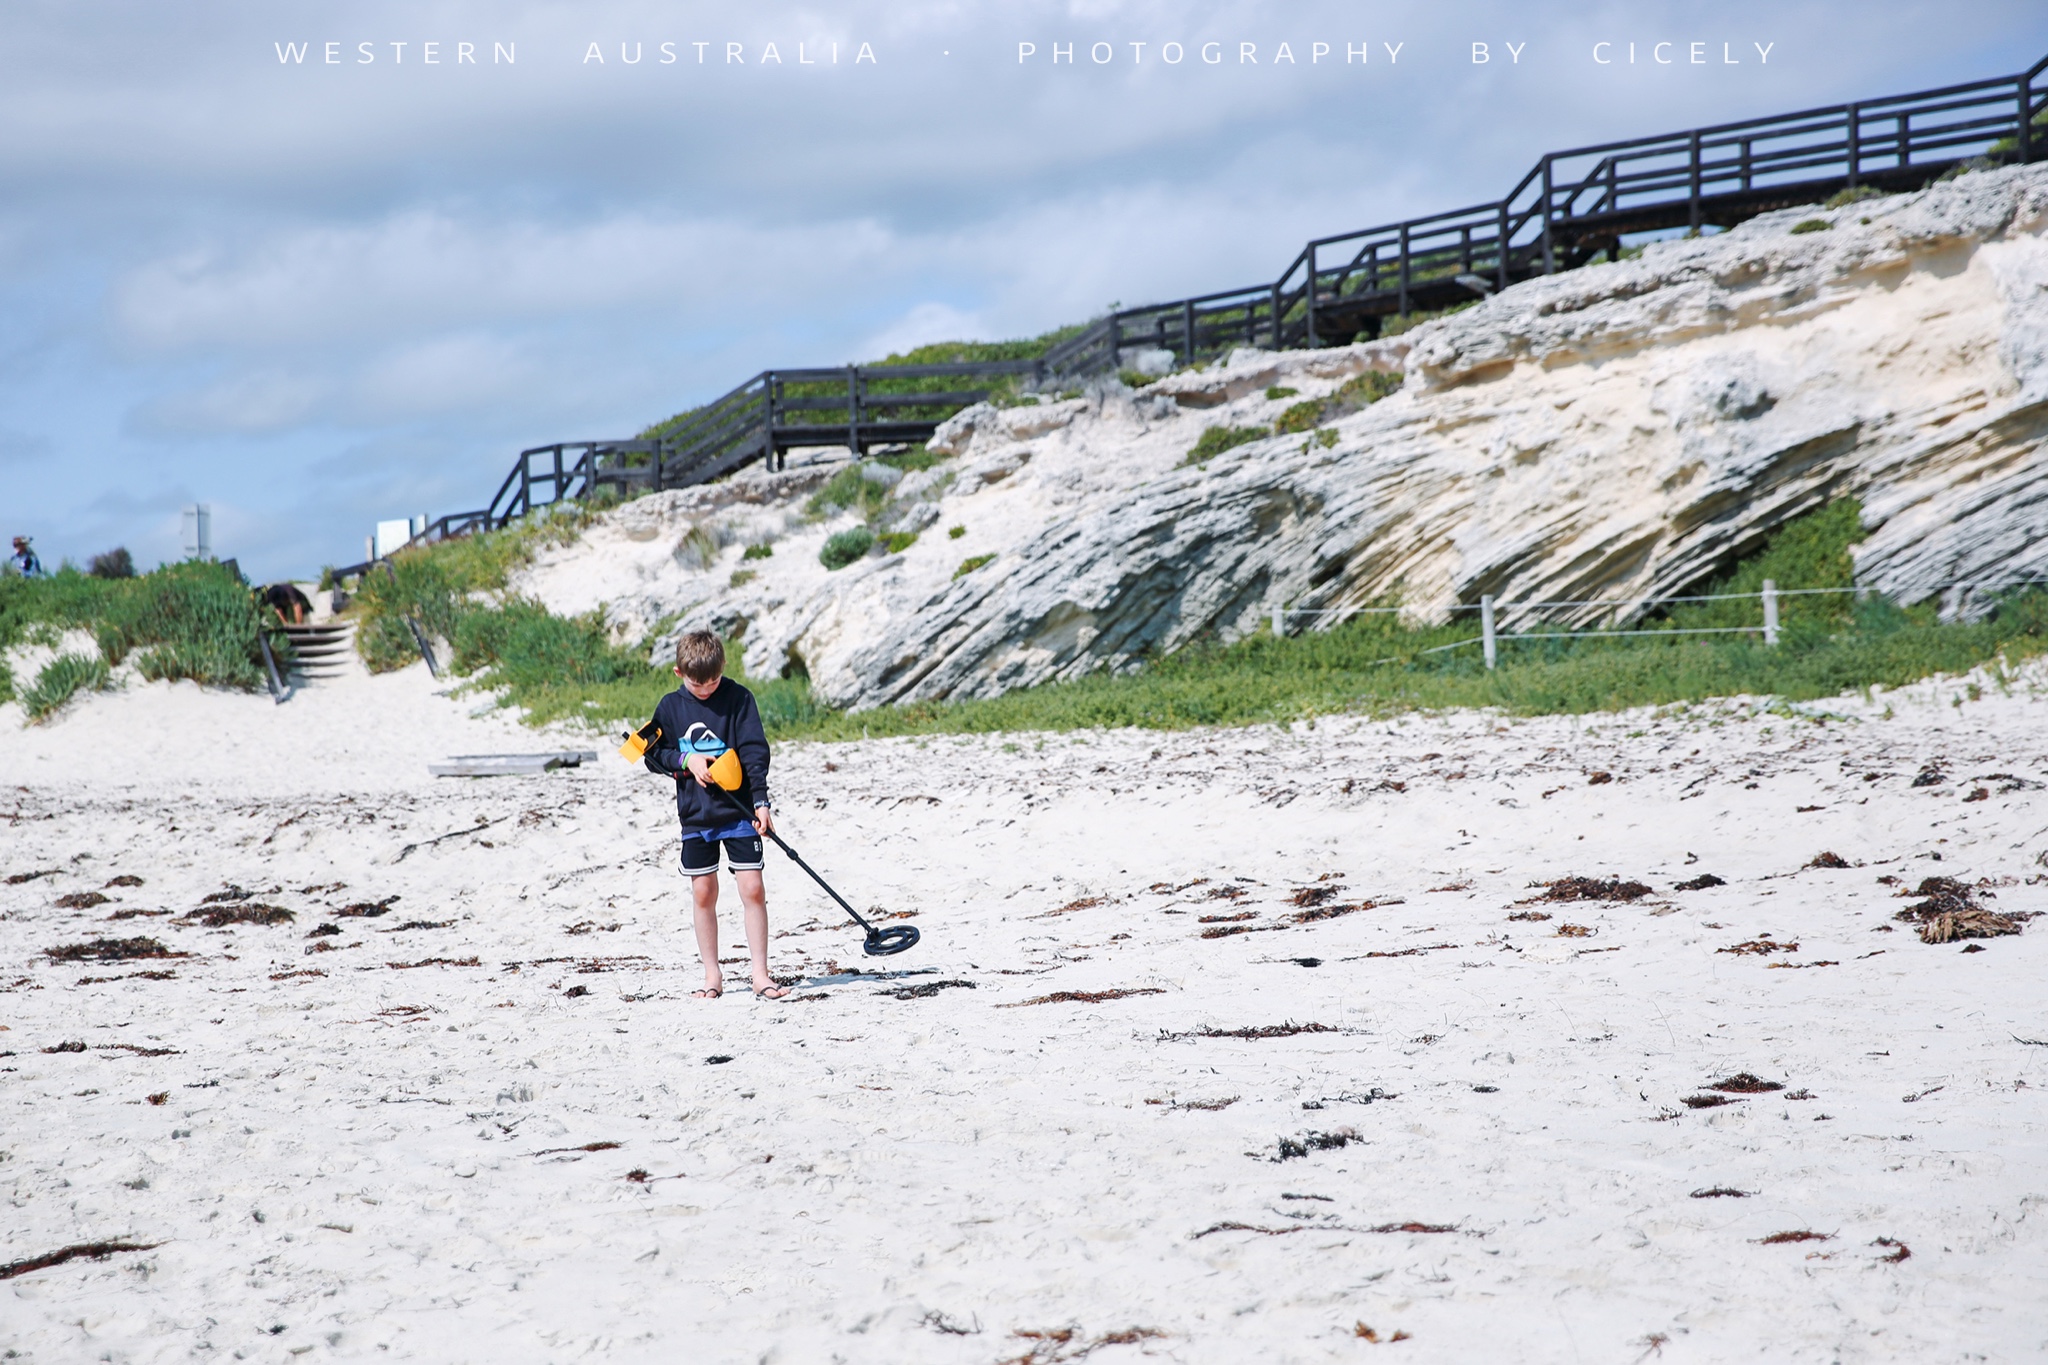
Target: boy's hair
[(700, 655)]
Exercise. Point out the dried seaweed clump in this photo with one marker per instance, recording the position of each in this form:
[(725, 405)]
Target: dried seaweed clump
[(1286, 1030), (110, 950), (1592, 889), (1948, 911), (1759, 946), (82, 900), (1700, 883), (1290, 1148), (927, 990), (1322, 912), (1743, 1083), (1828, 860), (251, 912)]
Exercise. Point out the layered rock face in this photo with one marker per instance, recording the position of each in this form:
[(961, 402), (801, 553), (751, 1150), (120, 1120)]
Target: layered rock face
[(1616, 433)]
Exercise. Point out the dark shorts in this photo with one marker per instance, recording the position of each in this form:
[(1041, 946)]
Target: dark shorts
[(700, 856)]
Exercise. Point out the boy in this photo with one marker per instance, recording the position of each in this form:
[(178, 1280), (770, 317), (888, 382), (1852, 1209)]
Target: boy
[(700, 721)]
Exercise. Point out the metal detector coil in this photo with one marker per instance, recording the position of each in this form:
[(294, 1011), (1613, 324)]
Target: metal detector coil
[(883, 942)]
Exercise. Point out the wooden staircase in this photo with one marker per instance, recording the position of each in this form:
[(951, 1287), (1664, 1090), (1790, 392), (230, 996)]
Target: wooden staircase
[(320, 650)]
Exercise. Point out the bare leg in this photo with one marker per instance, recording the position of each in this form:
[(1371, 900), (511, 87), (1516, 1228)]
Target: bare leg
[(754, 902), (704, 899)]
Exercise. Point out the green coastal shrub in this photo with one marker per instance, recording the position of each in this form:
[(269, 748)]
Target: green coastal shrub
[(896, 542), (844, 547), (61, 679), (1300, 417), (1811, 225), (1841, 199), (1216, 440), (195, 620), (760, 551), (849, 490), (1278, 392), (969, 565)]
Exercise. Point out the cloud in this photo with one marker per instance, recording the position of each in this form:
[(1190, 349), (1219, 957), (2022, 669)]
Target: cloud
[(22, 447), (325, 284), (341, 292), (922, 325)]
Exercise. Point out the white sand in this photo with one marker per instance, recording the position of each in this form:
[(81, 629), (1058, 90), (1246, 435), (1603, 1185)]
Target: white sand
[(381, 1162)]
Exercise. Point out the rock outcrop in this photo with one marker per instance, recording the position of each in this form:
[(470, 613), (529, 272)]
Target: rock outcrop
[(1615, 433)]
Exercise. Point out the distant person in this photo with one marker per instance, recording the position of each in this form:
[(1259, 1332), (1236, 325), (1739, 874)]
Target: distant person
[(291, 605), (711, 732), (23, 560)]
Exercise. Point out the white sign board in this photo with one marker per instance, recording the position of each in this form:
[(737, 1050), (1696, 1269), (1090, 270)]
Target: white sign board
[(391, 535)]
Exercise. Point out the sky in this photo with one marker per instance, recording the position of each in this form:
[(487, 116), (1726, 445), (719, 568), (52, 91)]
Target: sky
[(243, 267)]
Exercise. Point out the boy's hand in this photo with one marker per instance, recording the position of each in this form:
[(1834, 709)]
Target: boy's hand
[(764, 820), (699, 767)]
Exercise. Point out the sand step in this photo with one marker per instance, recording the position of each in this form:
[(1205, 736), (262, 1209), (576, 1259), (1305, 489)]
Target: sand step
[(323, 651)]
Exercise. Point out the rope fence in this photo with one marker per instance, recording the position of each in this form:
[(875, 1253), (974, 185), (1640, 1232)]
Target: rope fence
[(1490, 635)]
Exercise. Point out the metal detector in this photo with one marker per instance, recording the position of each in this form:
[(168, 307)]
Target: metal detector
[(880, 942)]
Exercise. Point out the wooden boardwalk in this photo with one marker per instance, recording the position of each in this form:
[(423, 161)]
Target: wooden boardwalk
[(1572, 208)]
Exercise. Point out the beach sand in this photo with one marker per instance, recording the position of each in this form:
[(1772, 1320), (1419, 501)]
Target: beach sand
[(1353, 1092)]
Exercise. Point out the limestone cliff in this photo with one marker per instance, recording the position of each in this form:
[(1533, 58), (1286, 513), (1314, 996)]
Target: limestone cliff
[(1616, 432)]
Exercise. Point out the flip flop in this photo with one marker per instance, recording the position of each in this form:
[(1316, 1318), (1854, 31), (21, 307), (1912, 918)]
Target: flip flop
[(761, 992), (707, 993)]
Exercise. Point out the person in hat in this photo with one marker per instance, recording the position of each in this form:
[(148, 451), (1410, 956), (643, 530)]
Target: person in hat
[(23, 560)]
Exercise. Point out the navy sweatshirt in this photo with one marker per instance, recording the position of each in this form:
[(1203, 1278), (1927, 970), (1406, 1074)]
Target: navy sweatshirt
[(729, 720)]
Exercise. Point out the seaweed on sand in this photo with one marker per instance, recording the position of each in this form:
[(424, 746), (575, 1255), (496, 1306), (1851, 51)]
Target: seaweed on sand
[(94, 1251), (248, 912), (110, 950), (1591, 889), (1083, 997)]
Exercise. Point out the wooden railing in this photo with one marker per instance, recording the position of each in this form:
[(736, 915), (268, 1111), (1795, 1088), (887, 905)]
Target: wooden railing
[(1572, 207)]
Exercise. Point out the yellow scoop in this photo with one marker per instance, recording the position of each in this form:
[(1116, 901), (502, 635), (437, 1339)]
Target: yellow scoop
[(636, 745), (725, 770)]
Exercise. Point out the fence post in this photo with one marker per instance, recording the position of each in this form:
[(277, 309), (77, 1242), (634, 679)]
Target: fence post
[(1693, 196), (1187, 327), (853, 411), (2026, 140), (1855, 143), (1500, 242), (1308, 296), (1279, 620), (1770, 595), (1486, 636)]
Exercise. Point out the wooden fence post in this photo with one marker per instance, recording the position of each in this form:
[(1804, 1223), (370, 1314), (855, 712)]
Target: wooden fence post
[(2026, 139), (1487, 641), (1770, 596), (1309, 299), (853, 410)]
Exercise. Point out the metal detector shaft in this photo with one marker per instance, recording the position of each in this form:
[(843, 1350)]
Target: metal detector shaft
[(796, 858)]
